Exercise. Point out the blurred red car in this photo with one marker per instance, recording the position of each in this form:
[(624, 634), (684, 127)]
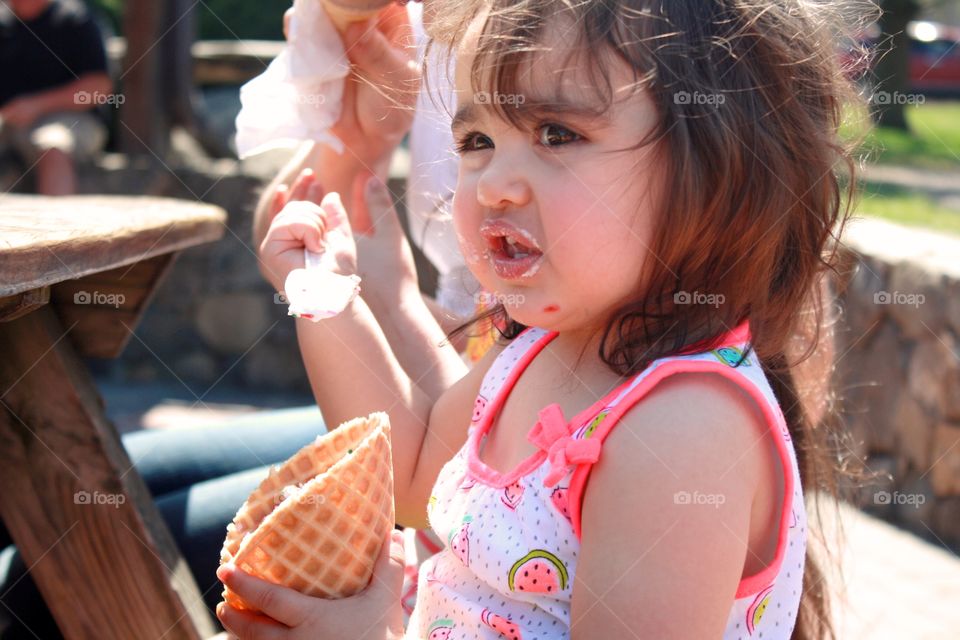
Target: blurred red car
[(934, 58)]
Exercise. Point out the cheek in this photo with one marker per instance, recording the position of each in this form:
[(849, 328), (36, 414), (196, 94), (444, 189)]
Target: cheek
[(466, 222)]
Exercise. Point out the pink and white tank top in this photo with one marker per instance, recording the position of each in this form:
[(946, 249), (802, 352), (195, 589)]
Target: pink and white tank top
[(511, 540)]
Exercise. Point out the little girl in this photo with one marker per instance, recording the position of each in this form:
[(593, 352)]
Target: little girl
[(649, 191)]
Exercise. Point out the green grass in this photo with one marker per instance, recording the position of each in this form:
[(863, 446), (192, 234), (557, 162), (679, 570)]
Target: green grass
[(905, 206), (932, 143)]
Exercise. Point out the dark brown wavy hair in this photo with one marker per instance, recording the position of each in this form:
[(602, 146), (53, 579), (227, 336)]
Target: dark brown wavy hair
[(753, 173)]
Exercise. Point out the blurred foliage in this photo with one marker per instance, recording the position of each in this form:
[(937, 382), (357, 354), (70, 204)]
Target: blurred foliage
[(220, 19), (244, 19)]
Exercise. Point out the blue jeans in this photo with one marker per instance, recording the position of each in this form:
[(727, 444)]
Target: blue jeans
[(199, 477)]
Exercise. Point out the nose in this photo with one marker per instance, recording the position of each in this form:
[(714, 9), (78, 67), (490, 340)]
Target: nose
[(502, 185)]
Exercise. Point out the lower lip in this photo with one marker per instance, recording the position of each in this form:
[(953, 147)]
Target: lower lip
[(508, 268)]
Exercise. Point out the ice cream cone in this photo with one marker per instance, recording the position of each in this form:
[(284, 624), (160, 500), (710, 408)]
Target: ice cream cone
[(316, 523), (344, 12)]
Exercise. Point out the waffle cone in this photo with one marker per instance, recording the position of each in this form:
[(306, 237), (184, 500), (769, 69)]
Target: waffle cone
[(316, 523)]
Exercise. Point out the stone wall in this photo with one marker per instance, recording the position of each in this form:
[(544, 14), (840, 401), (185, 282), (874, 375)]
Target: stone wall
[(898, 366), (214, 320)]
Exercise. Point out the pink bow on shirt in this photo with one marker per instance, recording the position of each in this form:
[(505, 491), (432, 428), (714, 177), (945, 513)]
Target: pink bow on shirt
[(552, 434)]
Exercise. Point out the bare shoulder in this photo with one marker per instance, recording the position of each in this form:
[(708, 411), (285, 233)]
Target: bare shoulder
[(702, 418), (668, 507), (693, 431)]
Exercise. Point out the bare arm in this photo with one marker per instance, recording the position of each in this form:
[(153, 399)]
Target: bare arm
[(353, 372), (77, 95), (387, 267), (648, 561)]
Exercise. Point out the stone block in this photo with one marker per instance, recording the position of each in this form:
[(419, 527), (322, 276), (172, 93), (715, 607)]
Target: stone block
[(934, 364), (945, 464), (232, 323)]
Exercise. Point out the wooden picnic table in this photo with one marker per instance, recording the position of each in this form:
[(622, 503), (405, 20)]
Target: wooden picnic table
[(76, 274)]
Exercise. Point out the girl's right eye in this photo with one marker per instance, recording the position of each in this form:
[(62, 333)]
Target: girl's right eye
[(473, 141)]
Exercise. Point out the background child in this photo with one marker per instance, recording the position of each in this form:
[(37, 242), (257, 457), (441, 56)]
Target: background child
[(649, 190)]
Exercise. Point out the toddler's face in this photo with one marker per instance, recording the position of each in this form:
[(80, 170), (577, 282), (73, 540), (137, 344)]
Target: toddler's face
[(555, 218)]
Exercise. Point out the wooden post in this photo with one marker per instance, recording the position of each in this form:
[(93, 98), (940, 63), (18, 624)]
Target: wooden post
[(144, 127), (82, 518)]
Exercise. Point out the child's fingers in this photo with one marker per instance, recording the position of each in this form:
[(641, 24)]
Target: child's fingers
[(279, 199), (335, 215), (379, 204), (302, 221), (361, 222), (315, 192), (244, 624), (387, 579), (279, 603), (299, 189)]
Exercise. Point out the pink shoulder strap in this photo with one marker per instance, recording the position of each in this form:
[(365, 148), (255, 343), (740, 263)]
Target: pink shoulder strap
[(506, 369), (604, 422)]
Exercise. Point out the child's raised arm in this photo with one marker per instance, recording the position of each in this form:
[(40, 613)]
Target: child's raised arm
[(351, 367)]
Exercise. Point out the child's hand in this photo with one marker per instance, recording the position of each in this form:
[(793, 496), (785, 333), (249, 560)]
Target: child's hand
[(374, 614), (317, 225), (384, 257)]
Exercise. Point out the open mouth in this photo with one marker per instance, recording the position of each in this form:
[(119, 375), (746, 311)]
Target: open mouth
[(514, 252), (512, 248)]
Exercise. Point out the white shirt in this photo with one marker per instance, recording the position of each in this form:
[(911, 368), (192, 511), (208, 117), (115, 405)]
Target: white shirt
[(433, 178)]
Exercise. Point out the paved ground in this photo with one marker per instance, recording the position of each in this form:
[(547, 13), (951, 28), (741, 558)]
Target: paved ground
[(943, 187), (897, 586)]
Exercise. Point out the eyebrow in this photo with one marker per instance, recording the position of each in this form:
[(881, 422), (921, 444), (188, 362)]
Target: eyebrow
[(469, 113)]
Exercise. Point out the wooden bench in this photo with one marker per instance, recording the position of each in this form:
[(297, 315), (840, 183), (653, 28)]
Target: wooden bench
[(76, 275)]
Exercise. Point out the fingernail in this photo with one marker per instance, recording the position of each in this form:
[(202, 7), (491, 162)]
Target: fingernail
[(224, 571), (332, 198), (397, 537)]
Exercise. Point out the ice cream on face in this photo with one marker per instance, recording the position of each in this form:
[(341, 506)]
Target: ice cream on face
[(470, 252), (514, 252)]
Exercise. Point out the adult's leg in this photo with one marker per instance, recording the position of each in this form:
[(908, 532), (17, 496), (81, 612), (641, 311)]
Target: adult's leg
[(56, 175), (199, 477), (170, 460)]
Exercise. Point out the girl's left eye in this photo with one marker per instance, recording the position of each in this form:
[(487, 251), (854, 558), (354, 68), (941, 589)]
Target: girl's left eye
[(554, 135)]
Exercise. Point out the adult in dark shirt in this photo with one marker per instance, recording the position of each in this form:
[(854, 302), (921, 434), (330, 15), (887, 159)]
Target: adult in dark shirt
[(53, 73)]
